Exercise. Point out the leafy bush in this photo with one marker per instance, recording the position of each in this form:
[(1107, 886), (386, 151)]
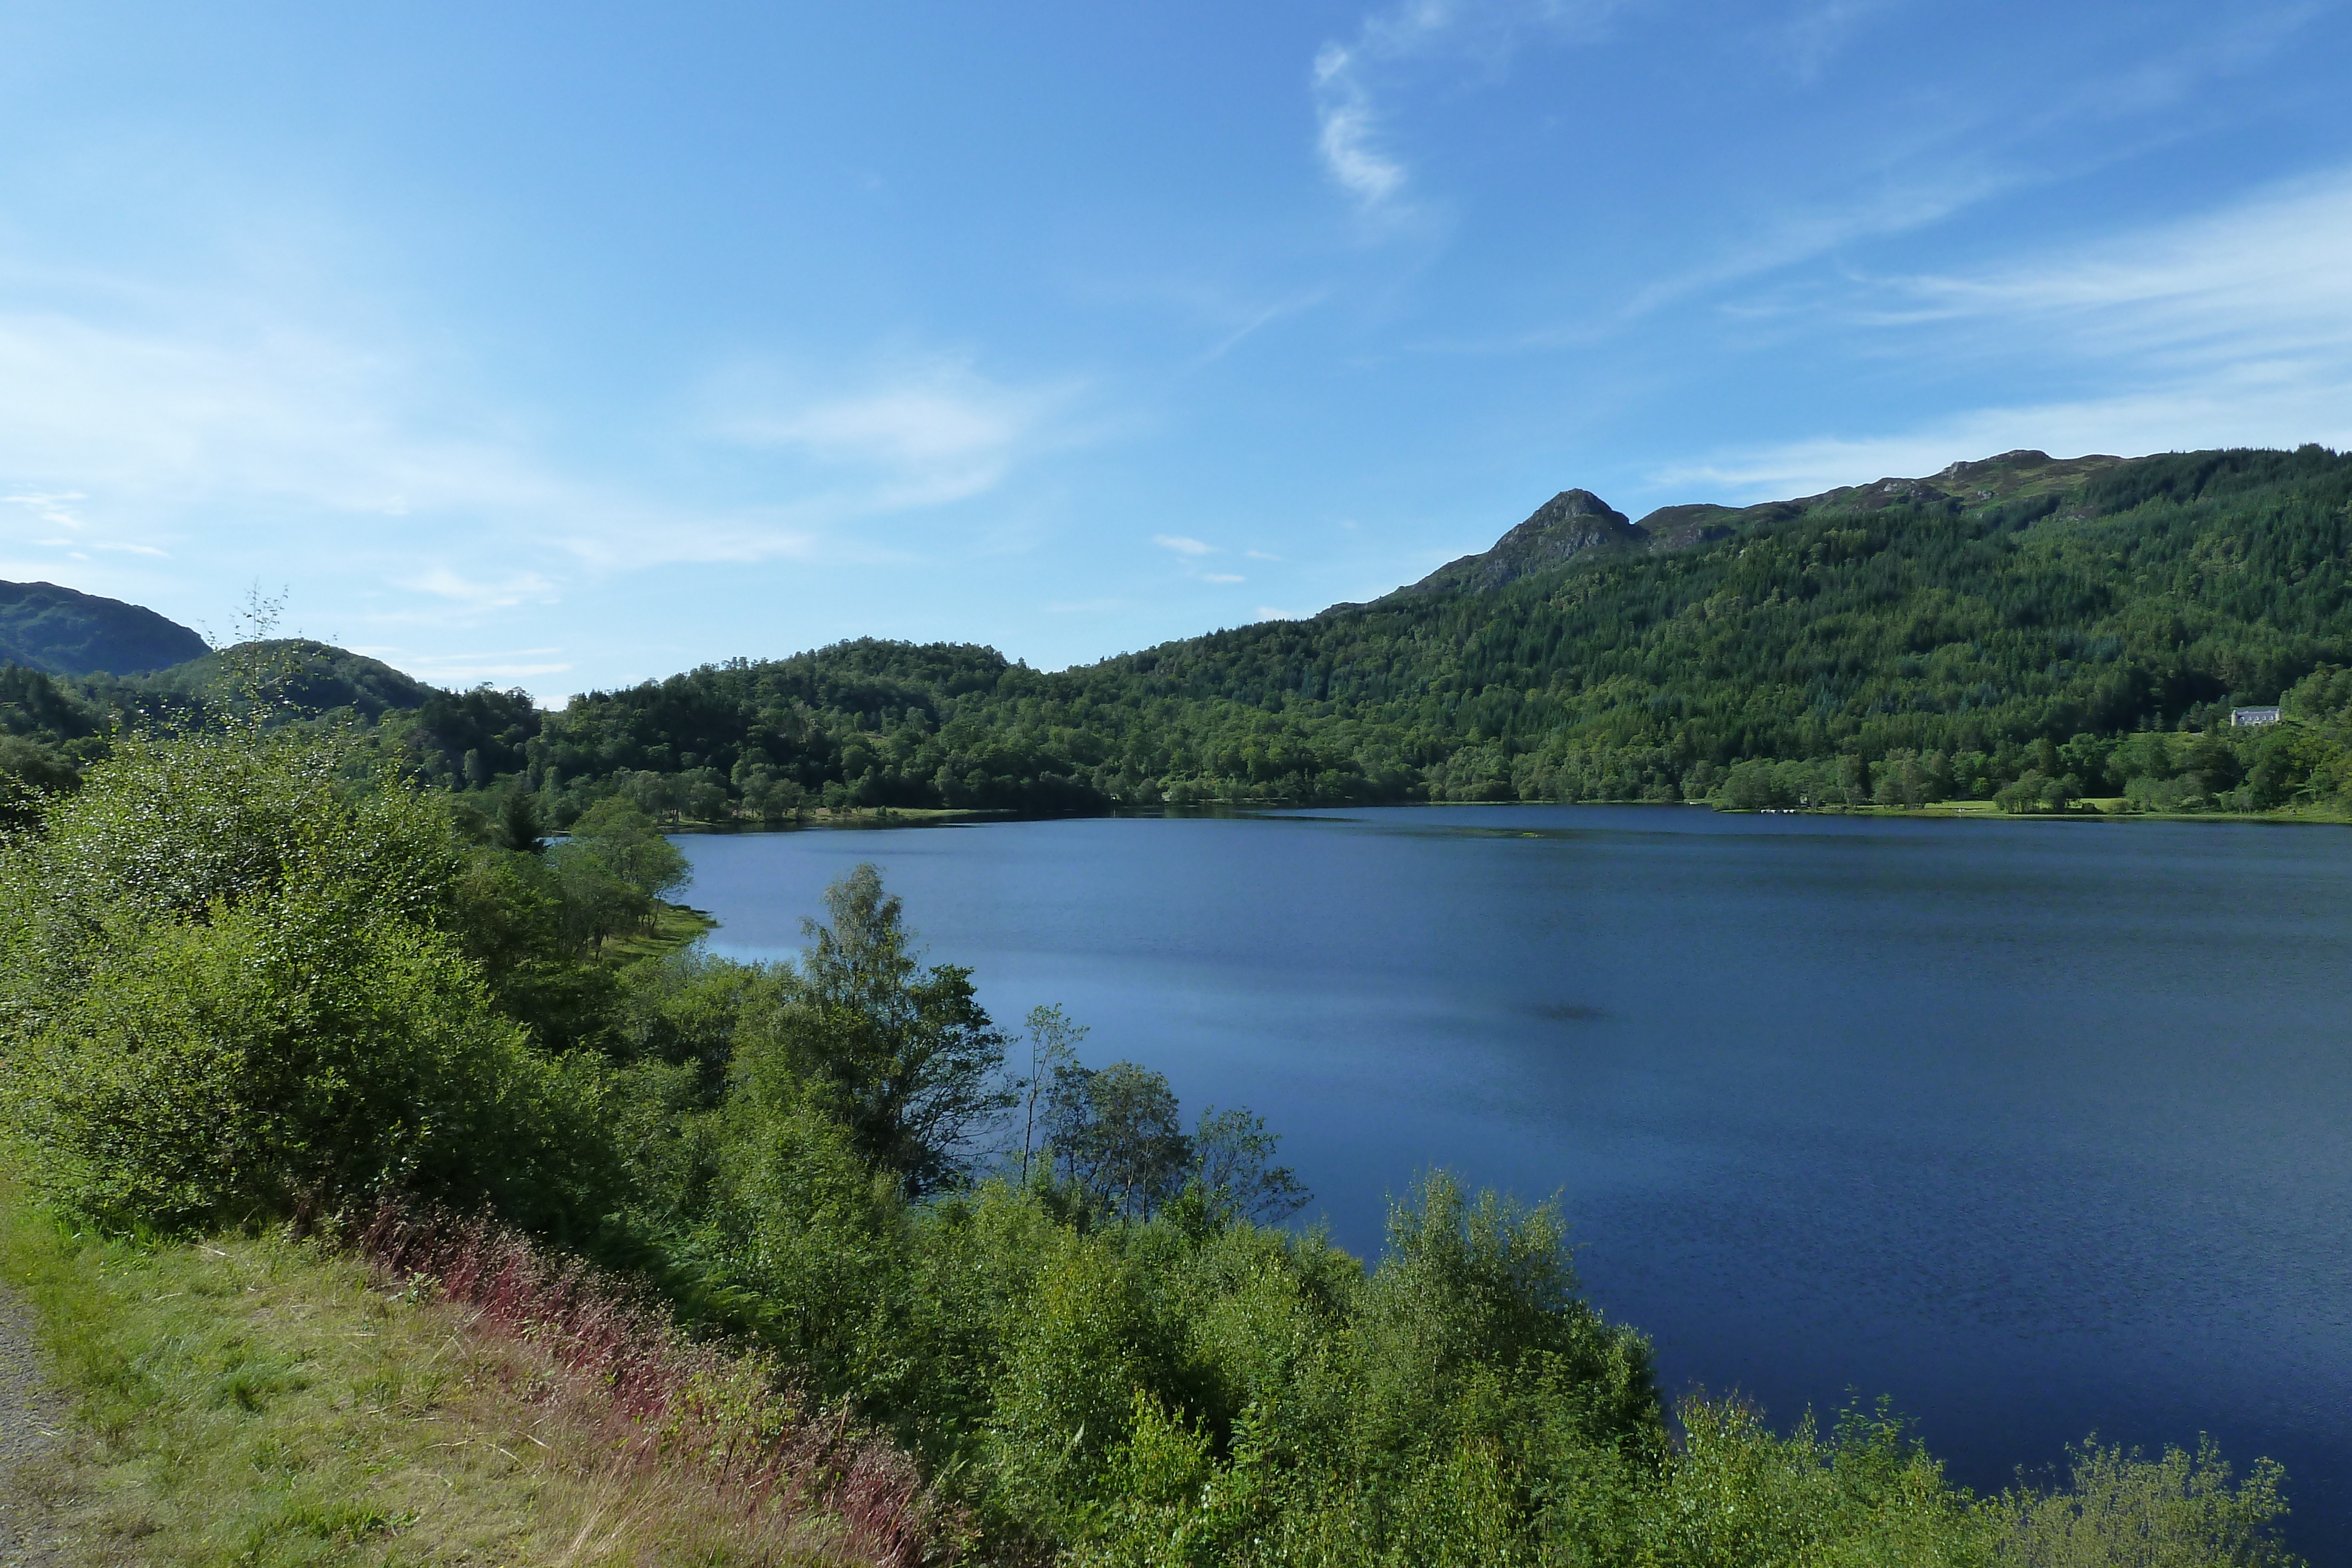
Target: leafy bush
[(228, 992), (2179, 1511), (286, 1053)]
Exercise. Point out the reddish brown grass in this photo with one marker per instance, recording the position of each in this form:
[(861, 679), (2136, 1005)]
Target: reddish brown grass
[(730, 1415)]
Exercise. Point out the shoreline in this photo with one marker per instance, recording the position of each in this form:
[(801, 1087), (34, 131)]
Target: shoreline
[(1950, 811)]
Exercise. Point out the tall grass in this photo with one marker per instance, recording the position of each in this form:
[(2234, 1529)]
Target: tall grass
[(733, 1415), (257, 1401)]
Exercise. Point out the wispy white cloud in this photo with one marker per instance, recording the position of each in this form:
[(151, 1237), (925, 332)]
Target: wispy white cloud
[(1258, 320), (442, 582), (1182, 545), (1959, 153), (50, 508), (2231, 327), (1268, 612), (924, 433), (1221, 576), (1801, 233), (2268, 276), (215, 404), (2256, 407), (1351, 130), (1260, 555), (1345, 131), (461, 670), (466, 667), (150, 411)]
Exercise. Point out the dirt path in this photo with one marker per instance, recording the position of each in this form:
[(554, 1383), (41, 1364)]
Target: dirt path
[(32, 1427)]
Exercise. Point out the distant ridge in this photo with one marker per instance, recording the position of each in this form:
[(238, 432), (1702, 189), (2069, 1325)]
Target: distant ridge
[(64, 632), (2006, 631), (1576, 521)]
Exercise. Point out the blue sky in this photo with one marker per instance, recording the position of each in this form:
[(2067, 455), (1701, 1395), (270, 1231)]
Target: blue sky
[(564, 346)]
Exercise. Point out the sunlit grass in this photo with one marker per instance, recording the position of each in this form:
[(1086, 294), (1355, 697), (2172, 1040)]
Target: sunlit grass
[(673, 927), (260, 1401)]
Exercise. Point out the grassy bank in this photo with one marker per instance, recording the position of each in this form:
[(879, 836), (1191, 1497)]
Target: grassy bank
[(674, 926), (261, 1401)]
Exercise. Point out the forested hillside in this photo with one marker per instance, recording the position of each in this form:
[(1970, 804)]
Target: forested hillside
[(68, 633), (2025, 630), (2024, 624)]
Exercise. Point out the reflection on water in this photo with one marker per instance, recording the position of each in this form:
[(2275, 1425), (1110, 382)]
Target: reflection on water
[(2036, 1126)]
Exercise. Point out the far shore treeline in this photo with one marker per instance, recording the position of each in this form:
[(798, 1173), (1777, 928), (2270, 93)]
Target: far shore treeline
[(2047, 636)]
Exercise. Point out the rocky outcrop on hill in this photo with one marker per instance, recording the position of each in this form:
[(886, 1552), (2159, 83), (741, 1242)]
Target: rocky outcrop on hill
[(1701, 522), (1567, 525), (2023, 472)]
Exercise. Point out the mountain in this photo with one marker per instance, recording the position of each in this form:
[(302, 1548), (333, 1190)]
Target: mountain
[(2010, 625), (1569, 524), (2022, 628), (62, 632), (1576, 521)]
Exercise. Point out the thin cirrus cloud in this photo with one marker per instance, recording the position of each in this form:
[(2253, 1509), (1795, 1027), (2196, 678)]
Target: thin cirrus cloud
[(1963, 156), (1348, 79), (50, 508), (2230, 327), (216, 414), (2247, 408), (124, 411), (1346, 131), (466, 669), (217, 401), (1193, 552), (924, 436), (1816, 32), (2265, 277), (502, 594)]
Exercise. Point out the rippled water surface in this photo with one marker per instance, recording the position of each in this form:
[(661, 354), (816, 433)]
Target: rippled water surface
[(2038, 1127)]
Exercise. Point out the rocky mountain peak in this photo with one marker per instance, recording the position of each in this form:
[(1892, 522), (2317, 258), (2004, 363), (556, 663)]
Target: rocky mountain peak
[(1569, 524)]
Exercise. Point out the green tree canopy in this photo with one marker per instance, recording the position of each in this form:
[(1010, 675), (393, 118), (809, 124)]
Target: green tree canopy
[(901, 1054)]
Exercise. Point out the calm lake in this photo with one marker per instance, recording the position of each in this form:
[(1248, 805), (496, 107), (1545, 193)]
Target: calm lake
[(2036, 1127)]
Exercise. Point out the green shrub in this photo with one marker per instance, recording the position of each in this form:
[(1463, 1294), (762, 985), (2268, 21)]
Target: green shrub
[(808, 1232), (2179, 1511), (229, 989), (287, 1052)]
